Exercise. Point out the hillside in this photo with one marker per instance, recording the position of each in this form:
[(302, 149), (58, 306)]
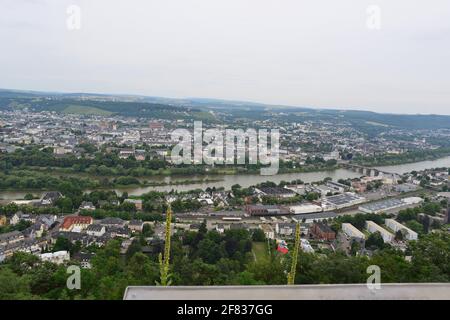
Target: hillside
[(209, 110), (105, 107)]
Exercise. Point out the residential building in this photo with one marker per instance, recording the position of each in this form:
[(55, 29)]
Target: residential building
[(58, 257), (76, 223), (50, 198), (285, 229), (136, 225), (140, 155), (96, 230), (372, 227), (112, 222), (85, 205), (396, 226), (126, 153), (268, 231), (85, 259), (137, 203), (11, 237), (119, 232), (352, 232), (322, 231)]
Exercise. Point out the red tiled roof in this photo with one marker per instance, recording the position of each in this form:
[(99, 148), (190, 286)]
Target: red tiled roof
[(71, 220)]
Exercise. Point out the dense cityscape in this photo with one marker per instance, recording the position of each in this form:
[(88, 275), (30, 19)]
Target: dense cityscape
[(90, 187), (213, 159)]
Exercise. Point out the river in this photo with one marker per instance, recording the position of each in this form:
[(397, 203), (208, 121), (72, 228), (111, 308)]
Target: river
[(252, 179)]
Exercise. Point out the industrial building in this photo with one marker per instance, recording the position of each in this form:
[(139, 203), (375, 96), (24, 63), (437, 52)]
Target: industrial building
[(340, 201), (405, 187), (412, 200), (396, 226), (305, 208), (323, 190), (265, 210), (277, 192), (352, 232), (311, 217), (339, 187), (389, 204), (372, 227)]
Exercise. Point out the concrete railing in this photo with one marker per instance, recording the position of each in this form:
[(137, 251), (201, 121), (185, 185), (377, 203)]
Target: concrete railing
[(391, 291)]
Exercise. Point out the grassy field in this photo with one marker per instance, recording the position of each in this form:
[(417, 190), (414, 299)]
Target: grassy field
[(86, 110), (259, 250)]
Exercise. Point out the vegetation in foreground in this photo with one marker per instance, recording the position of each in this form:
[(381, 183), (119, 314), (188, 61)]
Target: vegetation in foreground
[(209, 258)]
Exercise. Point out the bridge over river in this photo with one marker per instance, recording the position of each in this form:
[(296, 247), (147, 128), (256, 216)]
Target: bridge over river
[(368, 171)]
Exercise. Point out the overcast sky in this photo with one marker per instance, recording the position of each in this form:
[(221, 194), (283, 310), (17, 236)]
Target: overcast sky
[(317, 53)]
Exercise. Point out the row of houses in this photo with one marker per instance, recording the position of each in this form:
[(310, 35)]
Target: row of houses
[(16, 242), (75, 228), (78, 224)]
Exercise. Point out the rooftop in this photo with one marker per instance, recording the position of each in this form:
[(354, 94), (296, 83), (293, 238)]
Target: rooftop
[(383, 205)]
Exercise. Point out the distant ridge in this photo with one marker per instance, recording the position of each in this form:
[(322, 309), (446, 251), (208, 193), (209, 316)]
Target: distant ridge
[(208, 109)]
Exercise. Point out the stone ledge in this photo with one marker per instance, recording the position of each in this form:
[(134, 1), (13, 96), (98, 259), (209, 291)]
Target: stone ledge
[(391, 291)]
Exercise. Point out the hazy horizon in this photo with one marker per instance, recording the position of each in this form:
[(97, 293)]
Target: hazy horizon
[(222, 100), (316, 54)]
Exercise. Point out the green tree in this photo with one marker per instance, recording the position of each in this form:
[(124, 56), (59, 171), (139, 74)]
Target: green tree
[(268, 271), (375, 241), (134, 248), (399, 235), (142, 270), (258, 235), (29, 196), (12, 286), (62, 244)]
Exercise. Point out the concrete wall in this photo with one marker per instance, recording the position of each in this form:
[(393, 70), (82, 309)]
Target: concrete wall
[(391, 291)]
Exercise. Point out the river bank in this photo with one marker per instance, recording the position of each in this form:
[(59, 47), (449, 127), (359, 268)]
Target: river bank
[(169, 183)]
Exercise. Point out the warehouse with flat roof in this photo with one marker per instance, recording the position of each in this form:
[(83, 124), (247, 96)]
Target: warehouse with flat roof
[(340, 201), (311, 217), (305, 208), (389, 204), (381, 206)]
